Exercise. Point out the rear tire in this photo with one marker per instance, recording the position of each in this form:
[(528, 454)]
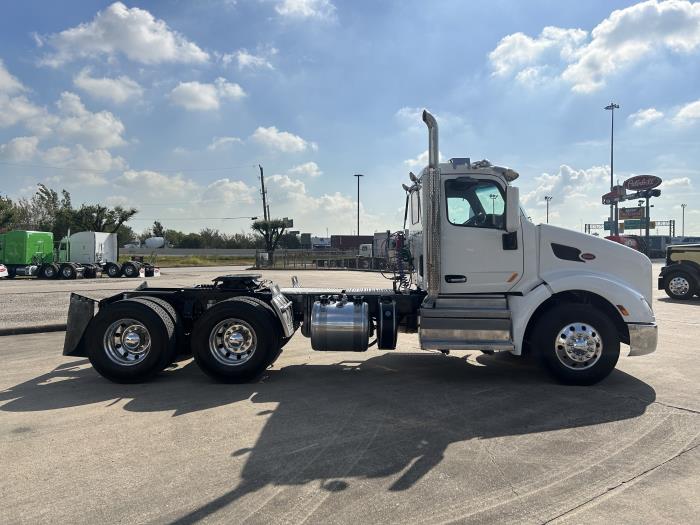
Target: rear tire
[(67, 271), (113, 270), (130, 269), (130, 341), (577, 344), (680, 286), (180, 347), (48, 271), (234, 341)]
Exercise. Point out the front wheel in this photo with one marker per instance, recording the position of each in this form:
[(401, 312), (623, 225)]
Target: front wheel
[(577, 344), (679, 285)]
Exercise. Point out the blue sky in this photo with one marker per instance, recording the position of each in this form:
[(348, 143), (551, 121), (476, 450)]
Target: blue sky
[(169, 106)]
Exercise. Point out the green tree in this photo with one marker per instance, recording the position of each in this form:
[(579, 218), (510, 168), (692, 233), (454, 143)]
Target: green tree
[(8, 213), (271, 232), (158, 229)]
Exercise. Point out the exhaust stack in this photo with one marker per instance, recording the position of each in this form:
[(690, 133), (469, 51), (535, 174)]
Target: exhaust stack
[(433, 152), (431, 201)]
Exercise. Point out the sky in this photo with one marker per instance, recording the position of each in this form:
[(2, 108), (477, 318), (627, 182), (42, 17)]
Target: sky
[(170, 106)]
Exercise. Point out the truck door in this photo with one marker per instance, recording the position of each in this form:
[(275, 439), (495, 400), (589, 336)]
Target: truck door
[(478, 255)]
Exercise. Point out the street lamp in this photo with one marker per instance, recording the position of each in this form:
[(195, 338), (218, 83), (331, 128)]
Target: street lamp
[(683, 220), (493, 197), (613, 214), (547, 198), (358, 175)]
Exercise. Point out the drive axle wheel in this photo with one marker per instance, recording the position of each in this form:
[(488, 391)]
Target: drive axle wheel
[(67, 271), (48, 271), (113, 269), (679, 285), (577, 344), (234, 341), (130, 341)]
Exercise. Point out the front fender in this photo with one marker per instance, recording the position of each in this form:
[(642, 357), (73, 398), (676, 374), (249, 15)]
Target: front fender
[(615, 292)]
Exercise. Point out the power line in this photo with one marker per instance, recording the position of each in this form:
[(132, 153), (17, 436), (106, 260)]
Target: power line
[(92, 170)]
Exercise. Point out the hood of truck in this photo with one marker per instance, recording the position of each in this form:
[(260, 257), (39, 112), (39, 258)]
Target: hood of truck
[(563, 250)]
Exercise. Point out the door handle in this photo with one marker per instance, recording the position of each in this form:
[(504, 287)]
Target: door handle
[(455, 278)]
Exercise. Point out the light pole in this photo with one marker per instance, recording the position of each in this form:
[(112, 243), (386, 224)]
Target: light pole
[(547, 198), (358, 175), (683, 220), (493, 203), (613, 214)]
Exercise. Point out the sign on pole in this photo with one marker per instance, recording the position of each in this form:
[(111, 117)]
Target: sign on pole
[(642, 182), (631, 213)]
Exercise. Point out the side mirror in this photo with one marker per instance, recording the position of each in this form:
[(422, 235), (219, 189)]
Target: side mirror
[(512, 209)]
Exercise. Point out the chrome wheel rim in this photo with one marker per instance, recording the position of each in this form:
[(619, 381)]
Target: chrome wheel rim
[(127, 342), (578, 345), (679, 286), (232, 342), (48, 271), (67, 271), (129, 270)]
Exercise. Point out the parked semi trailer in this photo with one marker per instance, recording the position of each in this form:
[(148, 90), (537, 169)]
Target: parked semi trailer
[(471, 272), (83, 254)]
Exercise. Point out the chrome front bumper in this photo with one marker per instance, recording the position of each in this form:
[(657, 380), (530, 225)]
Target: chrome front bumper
[(643, 338)]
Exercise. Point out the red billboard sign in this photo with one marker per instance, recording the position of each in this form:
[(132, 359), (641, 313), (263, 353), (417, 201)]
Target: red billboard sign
[(642, 182), (631, 213)]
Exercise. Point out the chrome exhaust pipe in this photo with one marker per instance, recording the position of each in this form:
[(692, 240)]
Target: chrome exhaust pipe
[(433, 152), (431, 203)]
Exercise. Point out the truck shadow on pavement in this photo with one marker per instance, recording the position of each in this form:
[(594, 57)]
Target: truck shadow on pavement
[(392, 414)]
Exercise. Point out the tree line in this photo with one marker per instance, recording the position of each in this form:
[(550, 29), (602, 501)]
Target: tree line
[(49, 210)]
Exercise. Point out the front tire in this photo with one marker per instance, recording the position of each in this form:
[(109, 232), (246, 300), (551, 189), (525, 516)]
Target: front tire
[(234, 341), (577, 344), (130, 341), (680, 286)]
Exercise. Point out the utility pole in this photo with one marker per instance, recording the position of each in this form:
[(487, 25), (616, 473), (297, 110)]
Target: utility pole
[(358, 175), (547, 198), (613, 208), (683, 220), (264, 194)]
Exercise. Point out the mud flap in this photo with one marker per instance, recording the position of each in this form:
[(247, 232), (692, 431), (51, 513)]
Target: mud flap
[(80, 313)]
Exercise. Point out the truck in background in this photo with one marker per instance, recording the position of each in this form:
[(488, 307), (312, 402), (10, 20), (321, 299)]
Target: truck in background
[(83, 254)]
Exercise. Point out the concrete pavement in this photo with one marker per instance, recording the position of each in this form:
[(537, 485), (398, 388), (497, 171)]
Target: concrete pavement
[(375, 437)]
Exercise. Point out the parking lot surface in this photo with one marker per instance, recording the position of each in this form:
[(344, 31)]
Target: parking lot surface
[(30, 302), (399, 436)]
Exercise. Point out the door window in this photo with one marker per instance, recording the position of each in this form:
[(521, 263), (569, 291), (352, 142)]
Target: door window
[(479, 204)]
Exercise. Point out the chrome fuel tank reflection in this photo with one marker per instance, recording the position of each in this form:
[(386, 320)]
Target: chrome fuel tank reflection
[(339, 325)]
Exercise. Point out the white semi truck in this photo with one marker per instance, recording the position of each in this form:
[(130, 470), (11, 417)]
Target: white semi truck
[(471, 272)]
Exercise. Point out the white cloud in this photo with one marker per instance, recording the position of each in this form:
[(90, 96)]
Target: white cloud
[(157, 184), (308, 169), (117, 90), (281, 140), (621, 40), (421, 161), (19, 149), (222, 142), (80, 165), (645, 116), (8, 83), (248, 60), (568, 183), (133, 32), (517, 51), (19, 109), (99, 130), (678, 182), (303, 9), (196, 96), (228, 191), (688, 113)]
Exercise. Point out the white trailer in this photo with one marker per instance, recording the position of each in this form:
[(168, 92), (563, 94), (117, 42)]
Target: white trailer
[(471, 272)]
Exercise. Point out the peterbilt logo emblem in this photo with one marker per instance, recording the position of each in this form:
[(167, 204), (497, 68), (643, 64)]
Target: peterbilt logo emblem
[(642, 182)]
